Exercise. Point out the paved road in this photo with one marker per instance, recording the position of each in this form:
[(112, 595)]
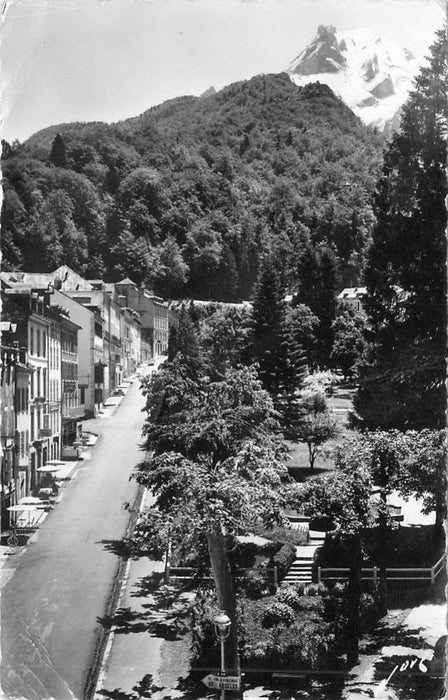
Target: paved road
[(64, 580)]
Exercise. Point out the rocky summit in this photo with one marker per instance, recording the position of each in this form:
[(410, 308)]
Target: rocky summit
[(372, 76)]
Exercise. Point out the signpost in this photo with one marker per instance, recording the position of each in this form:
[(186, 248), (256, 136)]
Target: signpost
[(222, 682)]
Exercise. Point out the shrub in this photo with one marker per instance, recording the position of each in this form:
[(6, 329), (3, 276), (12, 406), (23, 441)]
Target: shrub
[(289, 595), (278, 613), (255, 583), (311, 604), (314, 589), (369, 610), (284, 558), (300, 588)]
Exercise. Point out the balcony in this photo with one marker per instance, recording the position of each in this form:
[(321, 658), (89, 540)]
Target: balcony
[(70, 385), (45, 432), (73, 412)]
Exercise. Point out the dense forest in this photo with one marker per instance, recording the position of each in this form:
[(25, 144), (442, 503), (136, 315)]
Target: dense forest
[(188, 197)]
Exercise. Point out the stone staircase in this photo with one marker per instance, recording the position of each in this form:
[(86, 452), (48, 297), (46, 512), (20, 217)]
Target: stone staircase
[(301, 570)]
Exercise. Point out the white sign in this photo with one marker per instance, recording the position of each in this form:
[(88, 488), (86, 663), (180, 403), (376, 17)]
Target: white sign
[(222, 682)]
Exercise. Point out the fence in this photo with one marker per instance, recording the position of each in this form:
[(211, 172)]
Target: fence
[(392, 574), (187, 573)]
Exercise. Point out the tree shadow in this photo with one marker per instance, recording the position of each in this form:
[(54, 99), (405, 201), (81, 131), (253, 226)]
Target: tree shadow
[(401, 636), (163, 617), (147, 585), (408, 683), (126, 620), (398, 636), (145, 688), (121, 548)]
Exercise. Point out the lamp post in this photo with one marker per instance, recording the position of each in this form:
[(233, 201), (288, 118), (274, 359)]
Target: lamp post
[(222, 630)]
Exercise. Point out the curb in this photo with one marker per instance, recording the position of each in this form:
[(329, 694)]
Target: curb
[(98, 670)]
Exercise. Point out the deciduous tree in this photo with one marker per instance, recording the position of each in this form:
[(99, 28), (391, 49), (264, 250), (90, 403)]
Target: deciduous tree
[(343, 496), (216, 467)]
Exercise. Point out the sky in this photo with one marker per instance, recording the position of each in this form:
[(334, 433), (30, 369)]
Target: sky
[(85, 60)]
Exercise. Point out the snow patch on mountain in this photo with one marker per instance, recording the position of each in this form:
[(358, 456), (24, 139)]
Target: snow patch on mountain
[(371, 76)]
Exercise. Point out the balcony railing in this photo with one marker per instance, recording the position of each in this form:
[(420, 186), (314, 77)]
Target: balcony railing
[(73, 412), (45, 432)]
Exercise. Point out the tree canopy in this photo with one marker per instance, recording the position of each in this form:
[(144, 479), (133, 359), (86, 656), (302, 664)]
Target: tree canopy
[(200, 189), (216, 466), (406, 275)]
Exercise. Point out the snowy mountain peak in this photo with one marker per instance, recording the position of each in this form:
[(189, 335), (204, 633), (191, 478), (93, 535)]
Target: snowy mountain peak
[(371, 76)]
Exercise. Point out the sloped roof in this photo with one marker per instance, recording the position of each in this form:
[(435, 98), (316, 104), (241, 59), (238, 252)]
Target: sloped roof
[(126, 281)]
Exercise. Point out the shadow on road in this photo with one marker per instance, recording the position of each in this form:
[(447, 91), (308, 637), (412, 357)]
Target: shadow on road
[(143, 689), (121, 548), (148, 585), (165, 614)]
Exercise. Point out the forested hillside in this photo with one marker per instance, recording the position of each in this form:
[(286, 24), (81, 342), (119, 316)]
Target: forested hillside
[(186, 197)]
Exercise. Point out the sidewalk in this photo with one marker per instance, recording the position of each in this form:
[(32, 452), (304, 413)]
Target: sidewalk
[(403, 635)]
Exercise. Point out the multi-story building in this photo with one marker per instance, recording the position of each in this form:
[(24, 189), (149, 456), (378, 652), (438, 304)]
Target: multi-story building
[(8, 432), (15, 420), (154, 317), (40, 315), (72, 409), (130, 340), (89, 353), (24, 377)]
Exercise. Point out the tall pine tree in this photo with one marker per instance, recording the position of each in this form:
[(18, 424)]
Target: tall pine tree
[(317, 290), (404, 386), (281, 359), (57, 154)]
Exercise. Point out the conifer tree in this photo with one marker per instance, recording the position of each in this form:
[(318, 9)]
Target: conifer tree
[(327, 305), (406, 274), (281, 359), (184, 340), (317, 290), (57, 154)]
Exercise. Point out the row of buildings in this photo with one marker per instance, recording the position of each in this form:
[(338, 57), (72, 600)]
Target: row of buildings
[(67, 343)]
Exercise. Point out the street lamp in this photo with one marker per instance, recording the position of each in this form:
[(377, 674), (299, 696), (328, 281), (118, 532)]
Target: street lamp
[(222, 630)]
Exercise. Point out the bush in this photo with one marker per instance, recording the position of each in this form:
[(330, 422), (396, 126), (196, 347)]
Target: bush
[(289, 595), (284, 558), (278, 613), (369, 611), (256, 583), (314, 589)]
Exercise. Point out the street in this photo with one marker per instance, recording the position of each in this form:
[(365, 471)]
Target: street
[(52, 605)]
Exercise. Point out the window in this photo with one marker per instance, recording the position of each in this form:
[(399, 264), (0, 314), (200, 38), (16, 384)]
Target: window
[(37, 342), (32, 425), (31, 340), (44, 382), (38, 382), (82, 398), (44, 344)]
